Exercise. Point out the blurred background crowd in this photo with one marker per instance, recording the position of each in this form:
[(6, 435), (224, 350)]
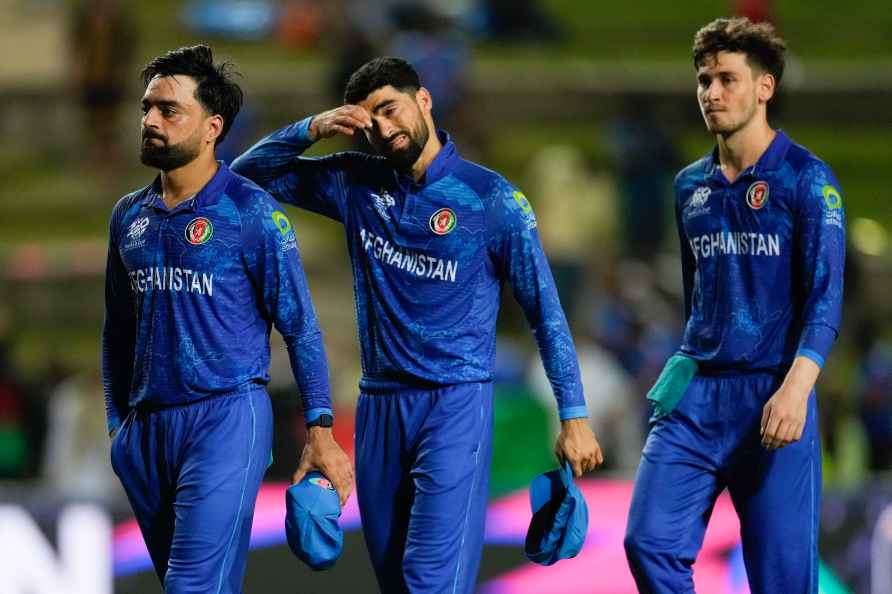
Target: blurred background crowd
[(589, 107)]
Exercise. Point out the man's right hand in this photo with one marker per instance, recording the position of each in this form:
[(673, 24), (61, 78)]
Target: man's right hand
[(323, 453), (346, 119)]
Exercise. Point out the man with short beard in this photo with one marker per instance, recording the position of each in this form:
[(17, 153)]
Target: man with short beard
[(762, 233), (432, 238), (201, 263)]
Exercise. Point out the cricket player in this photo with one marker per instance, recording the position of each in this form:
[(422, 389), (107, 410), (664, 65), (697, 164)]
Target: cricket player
[(762, 234), (432, 239), (201, 264)]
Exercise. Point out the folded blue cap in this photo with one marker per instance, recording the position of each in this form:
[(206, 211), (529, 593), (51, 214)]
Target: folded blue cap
[(312, 509), (560, 517)]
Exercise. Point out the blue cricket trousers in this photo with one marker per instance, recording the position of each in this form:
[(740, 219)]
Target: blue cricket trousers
[(709, 442), (422, 473), (191, 473)]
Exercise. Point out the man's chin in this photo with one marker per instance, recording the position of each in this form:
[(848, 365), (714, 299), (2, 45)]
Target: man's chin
[(163, 160), (402, 159)]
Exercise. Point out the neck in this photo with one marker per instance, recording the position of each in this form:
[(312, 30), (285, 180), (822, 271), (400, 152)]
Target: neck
[(428, 154), (184, 182), (743, 147)]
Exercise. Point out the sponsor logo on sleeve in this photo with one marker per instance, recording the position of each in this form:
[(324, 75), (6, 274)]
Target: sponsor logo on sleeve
[(833, 202), (831, 197), (443, 221), (286, 230), (525, 208), (199, 231), (757, 195)]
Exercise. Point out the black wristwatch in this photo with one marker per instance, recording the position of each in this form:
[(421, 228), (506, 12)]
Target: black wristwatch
[(322, 420)]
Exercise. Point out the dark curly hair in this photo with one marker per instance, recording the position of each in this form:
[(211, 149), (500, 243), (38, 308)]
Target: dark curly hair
[(763, 47), (215, 90), (378, 73)]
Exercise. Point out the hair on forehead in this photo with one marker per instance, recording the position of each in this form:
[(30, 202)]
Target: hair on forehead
[(759, 42), (378, 73), (215, 88)]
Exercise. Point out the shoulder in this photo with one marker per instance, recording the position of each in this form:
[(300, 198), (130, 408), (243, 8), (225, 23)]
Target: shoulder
[(500, 198), (694, 173), (692, 177), (807, 166), (127, 206), (127, 201), (254, 207), (814, 179)]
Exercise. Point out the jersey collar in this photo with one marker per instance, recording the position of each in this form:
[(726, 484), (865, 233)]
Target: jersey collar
[(439, 168), (208, 195), (770, 160)]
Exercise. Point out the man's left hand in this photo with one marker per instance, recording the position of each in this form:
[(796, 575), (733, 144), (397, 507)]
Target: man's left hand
[(577, 444), (783, 418), (323, 453)]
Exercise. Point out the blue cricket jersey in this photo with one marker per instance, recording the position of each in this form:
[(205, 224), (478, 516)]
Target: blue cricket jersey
[(191, 294), (429, 261), (762, 259)]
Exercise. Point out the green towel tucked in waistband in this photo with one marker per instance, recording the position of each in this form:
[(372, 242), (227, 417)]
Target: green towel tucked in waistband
[(671, 385)]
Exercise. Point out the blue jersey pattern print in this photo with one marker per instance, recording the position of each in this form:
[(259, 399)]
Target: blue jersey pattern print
[(192, 294), (762, 259), (429, 261)]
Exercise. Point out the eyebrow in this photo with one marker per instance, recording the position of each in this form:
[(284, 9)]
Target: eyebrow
[(161, 103), (705, 73), (383, 104)]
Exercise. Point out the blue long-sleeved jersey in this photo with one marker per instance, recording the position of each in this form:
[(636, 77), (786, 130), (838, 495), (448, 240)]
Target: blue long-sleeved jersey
[(429, 261), (191, 295), (762, 259)]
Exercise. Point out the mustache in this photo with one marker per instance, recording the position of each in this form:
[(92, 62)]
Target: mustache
[(147, 134), (390, 138)]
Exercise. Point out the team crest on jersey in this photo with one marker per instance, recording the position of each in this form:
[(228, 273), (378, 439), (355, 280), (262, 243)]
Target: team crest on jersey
[(199, 231), (757, 195), (383, 201), (322, 482), (443, 221)]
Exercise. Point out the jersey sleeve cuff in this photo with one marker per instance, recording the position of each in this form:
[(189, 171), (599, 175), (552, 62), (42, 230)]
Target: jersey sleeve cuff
[(810, 354), (302, 131), (314, 413), (816, 342), (573, 412)]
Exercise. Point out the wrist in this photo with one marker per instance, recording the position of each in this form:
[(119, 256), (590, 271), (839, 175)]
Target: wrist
[(313, 130), (574, 422), (319, 434)]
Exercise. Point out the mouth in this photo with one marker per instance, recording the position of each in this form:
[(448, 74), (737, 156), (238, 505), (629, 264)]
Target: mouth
[(398, 141), (147, 138)]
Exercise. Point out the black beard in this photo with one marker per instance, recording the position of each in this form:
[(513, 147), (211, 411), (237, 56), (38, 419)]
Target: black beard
[(403, 159), (168, 157)]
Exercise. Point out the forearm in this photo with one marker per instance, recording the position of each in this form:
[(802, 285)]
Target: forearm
[(562, 369), (272, 157), (802, 376), (117, 372), (310, 366)]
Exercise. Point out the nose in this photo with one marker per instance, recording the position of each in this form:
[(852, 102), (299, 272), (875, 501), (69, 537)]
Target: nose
[(150, 118), (383, 126), (711, 93)]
